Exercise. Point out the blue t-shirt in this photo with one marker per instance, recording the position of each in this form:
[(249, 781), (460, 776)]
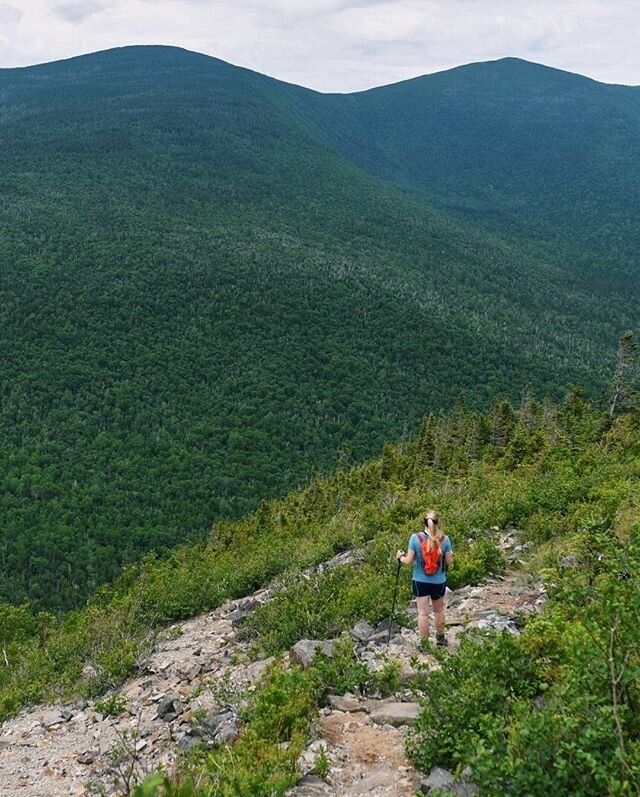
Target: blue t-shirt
[(439, 577)]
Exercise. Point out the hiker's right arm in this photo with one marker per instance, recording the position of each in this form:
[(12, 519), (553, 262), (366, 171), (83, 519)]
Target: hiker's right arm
[(408, 557)]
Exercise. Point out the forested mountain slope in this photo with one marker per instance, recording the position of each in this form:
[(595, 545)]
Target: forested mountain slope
[(202, 299), (534, 152)]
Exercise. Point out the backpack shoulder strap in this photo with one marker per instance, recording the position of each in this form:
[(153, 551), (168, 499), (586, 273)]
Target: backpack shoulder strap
[(422, 538)]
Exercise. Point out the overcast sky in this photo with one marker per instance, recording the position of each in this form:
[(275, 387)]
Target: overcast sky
[(338, 45)]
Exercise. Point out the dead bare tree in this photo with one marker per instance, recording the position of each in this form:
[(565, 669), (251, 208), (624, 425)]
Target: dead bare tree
[(626, 357)]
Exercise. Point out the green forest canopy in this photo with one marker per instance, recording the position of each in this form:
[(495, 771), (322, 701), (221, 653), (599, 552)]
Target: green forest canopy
[(213, 283)]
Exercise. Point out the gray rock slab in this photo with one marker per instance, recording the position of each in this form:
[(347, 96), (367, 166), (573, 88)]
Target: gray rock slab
[(438, 780), (311, 785), (171, 704), (396, 714), (361, 631), (381, 778), (51, 719), (465, 787), (347, 703), (491, 620), (341, 559), (237, 617), (303, 652)]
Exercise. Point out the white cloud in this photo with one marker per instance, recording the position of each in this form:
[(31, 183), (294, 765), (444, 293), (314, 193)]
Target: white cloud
[(9, 15), (338, 45), (79, 10)]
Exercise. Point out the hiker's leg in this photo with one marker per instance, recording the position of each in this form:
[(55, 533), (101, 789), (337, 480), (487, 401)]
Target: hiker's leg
[(438, 612), (423, 615)]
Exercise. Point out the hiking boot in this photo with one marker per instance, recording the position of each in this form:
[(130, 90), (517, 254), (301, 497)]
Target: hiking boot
[(441, 641)]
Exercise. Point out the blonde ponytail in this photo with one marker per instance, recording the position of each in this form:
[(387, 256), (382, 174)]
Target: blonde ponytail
[(431, 521)]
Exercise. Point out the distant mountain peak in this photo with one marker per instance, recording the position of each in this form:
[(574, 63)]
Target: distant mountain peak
[(167, 55)]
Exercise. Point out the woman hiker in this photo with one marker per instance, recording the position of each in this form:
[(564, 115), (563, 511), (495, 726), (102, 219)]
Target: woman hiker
[(430, 553)]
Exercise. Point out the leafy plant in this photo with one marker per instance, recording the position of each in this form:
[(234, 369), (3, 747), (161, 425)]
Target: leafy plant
[(322, 763), (112, 705)]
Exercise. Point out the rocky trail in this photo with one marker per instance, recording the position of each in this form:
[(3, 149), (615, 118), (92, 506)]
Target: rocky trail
[(192, 686)]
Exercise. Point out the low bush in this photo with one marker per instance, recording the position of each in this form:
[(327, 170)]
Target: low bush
[(471, 692), (475, 561)]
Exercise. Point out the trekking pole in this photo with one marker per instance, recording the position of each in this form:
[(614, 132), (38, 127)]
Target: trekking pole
[(393, 606)]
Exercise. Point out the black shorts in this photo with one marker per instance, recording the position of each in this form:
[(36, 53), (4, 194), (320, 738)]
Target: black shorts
[(424, 589)]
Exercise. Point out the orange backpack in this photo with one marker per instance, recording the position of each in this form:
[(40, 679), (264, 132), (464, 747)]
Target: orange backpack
[(430, 555)]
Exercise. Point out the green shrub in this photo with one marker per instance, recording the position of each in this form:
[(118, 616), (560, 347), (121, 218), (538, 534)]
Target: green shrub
[(263, 761), (551, 750), (283, 704), (473, 689), (322, 763), (475, 561), (111, 705), (323, 606), (342, 672)]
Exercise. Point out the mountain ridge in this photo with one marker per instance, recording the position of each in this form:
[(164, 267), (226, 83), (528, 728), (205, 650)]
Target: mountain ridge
[(508, 60)]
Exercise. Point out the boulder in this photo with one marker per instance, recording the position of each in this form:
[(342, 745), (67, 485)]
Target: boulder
[(304, 651), (381, 632), (307, 761), (254, 671), (407, 674), (188, 741), (309, 786), (379, 638), (227, 731), (361, 631), (237, 617), (438, 780), (465, 787), (347, 703), (441, 781), (490, 620), (396, 714), (455, 597), (89, 672), (382, 777), (169, 707), (341, 559), (570, 562), (383, 626), (248, 605), (52, 719), (218, 727)]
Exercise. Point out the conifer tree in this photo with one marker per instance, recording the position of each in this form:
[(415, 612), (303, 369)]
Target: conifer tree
[(502, 423), (426, 443)]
